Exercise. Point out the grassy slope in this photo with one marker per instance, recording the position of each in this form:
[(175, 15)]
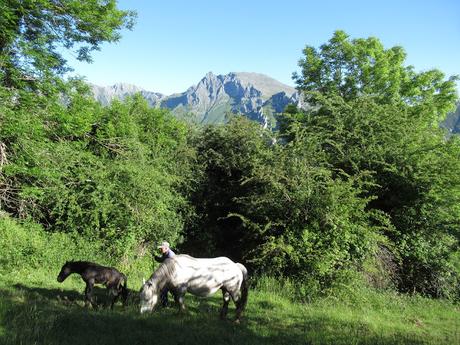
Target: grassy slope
[(35, 309)]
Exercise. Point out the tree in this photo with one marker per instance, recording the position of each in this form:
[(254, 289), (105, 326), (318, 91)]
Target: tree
[(373, 115), (353, 68), (226, 155), (33, 34)]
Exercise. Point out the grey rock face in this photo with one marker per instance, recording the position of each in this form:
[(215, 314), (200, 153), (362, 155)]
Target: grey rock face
[(452, 121), (254, 95), (105, 94)]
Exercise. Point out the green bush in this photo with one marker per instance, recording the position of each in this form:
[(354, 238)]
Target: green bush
[(26, 246), (105, 174)]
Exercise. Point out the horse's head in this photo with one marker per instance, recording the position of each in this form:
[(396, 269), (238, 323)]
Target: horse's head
[(148, 296), (65, 272)]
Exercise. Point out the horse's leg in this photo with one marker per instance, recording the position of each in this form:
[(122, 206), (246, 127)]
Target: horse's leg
[(86, 295), (164, 297), (114, 300), (226, 298), (239, 310), (89, 294), (179, 294), (180, 302), (124, 295), (236, 297), (116, 295)]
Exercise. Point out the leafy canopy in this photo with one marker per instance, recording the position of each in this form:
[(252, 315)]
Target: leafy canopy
[(372, 115), (351, 68), (33, 34)]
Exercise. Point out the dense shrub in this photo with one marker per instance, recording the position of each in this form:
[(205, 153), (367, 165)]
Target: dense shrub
[(27, 246), (103, 173)]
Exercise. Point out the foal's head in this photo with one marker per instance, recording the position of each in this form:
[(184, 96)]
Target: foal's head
[(66, 270)]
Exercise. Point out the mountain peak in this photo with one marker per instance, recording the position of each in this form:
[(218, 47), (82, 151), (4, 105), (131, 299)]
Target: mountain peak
[(125, 87), (255, 95), (265, 84)]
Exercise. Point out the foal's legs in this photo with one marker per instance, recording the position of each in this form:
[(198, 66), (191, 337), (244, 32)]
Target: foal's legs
[(116, 295), (226, 298), (89, 293), (124, 295)]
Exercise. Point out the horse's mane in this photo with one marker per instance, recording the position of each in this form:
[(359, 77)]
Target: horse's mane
[(163, 273), (82, 264)]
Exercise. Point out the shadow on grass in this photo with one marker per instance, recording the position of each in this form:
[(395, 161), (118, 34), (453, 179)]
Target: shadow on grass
[(52, 316), (68, 297), (266, 305)]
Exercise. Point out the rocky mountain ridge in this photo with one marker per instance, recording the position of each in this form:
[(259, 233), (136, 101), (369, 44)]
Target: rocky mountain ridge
[(215, 97), (452, 121)]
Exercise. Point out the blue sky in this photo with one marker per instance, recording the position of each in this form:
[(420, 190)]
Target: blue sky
[(175, 43)]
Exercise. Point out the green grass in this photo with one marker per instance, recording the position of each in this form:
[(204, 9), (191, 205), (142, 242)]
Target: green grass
[(36, 309)]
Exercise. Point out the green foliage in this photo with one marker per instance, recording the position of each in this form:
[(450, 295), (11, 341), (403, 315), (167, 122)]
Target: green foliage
[(352, 68), (373, 116), (307, 220), (104, 173), (27, 246), (34, 32), (349, 180), (279, 208), (225, 155)]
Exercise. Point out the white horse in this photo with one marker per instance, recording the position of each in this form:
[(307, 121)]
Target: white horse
[(201, 277)]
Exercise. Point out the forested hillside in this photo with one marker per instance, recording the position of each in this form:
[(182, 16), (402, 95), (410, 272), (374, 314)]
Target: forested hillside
[(362, 187)]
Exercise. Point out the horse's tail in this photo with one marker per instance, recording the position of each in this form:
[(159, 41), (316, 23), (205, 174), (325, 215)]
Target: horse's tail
[(244, 288)]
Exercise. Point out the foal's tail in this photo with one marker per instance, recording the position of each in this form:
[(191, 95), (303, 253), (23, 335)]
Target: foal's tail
[(244, 288)]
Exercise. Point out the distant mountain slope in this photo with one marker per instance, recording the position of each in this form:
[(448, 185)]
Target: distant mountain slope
[(267, 85), (452, 122), (215, 97), (105, 94)]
